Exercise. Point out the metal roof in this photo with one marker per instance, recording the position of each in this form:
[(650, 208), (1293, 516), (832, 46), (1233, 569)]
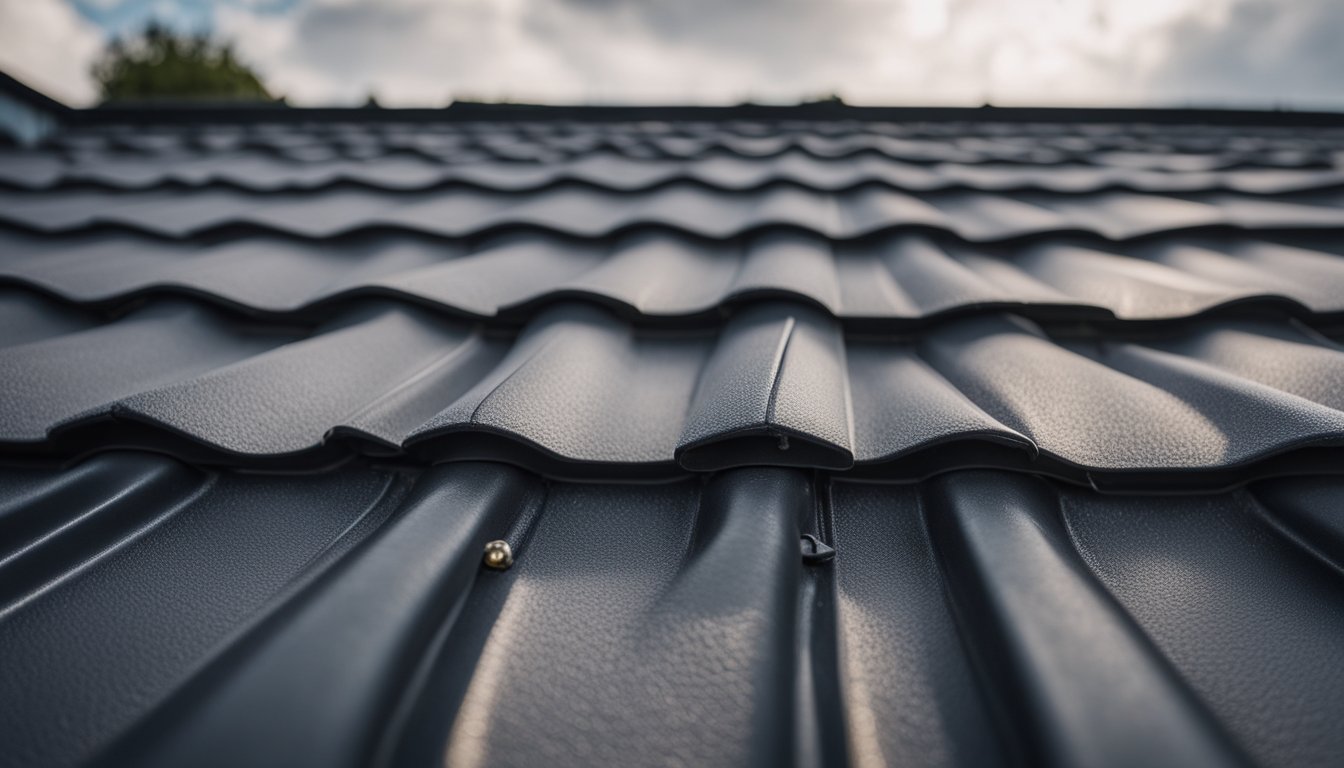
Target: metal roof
[(190, 617), (1064, 396)]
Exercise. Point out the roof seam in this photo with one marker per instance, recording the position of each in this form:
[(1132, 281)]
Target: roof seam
[(777, 369)]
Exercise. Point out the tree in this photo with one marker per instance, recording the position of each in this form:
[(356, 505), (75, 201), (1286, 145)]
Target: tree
[(162, 65)]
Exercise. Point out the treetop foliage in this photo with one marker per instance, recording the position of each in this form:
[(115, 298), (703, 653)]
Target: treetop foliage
[(162, 65)]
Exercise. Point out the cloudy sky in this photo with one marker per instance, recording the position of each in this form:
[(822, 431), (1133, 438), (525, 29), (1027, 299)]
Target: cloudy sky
[(1265, 53)]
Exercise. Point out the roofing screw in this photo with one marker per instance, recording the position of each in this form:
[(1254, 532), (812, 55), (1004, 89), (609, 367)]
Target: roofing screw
[(498, 555)]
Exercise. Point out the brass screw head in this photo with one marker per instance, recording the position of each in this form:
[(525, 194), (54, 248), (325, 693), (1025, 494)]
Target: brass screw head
[(498, 555)]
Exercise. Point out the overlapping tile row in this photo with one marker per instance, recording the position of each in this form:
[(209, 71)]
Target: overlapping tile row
[(1145, 223), (890, 282), (579, 210), (156, 614), (260, 171), (127, 573), (578, 391), (1190, 148)]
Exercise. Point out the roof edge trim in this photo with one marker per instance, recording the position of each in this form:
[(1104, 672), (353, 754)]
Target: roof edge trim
[(27, 115), (189, 113), (203, 113)]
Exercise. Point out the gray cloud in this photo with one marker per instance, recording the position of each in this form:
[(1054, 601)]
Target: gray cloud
[(567, 49), (1258, 52), (416, 52)]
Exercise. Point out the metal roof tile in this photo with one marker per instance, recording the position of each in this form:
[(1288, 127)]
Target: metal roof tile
[(575, 336), (229, 618)]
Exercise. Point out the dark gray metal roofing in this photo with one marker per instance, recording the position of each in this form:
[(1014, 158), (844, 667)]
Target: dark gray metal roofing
[(1066, 398), (579, 210), (891, 282), (579, 391), (210, 618)]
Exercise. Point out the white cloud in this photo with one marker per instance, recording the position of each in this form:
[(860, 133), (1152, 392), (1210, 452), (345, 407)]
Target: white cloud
[(50, 47), (424, 52), (641, 51)]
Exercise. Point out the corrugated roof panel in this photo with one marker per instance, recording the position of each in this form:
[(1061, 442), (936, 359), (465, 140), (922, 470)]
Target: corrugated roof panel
[(579, 210), (890, 282), (779, 384), (1171, 148), (981, 614), (133, 571), (60, 378), (778, 418), (259, 171)]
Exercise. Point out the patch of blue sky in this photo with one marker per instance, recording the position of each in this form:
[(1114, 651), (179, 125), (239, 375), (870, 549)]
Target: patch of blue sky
[(126, 17)]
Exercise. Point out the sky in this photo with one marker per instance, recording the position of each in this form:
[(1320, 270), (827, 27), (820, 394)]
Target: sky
[(1256, 53)]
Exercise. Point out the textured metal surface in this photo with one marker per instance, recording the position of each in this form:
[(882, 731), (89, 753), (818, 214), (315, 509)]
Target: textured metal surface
[(578, 210), (169, 616), (256, 170), (1198, 144), (871, 221), (268, 391), (578, 391), (892, 283)]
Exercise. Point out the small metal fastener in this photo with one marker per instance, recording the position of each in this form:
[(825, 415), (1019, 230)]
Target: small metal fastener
[(498, 555), (816, 551)]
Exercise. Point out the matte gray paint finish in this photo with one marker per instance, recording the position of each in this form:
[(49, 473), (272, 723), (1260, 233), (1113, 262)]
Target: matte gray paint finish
[(162, 566), (1134, 308), (336, 619), (778, 384), (577, 210), (893, 282), (1174, 148), (261, 171)]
